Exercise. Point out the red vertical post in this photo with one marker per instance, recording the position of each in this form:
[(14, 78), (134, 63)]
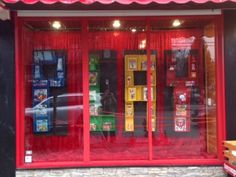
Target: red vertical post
[(220, 84), (85, 70), (148, 45), (20, 123)]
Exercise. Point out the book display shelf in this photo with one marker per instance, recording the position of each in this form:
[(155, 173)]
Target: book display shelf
[(136, 89)]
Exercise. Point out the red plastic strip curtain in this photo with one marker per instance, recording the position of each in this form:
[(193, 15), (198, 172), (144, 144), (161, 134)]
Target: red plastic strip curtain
[(112, 1)]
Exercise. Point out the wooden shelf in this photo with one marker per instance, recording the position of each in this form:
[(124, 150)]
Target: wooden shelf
[(230, 157)]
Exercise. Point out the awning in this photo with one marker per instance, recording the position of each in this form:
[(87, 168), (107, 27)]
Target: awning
[(118, 1)]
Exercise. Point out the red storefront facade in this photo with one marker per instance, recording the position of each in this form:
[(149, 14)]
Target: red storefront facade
[(119, 90)]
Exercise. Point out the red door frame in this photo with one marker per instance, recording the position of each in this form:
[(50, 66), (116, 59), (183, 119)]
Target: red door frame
[(220, 80)]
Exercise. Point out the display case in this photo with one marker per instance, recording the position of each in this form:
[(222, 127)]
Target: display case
[(102, 95), (182, 67), (136, 88), (115, 96), (49, 73)]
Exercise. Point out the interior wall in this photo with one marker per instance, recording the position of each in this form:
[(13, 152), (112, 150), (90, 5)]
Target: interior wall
[(7, 100), (230, 72), (210, 76)]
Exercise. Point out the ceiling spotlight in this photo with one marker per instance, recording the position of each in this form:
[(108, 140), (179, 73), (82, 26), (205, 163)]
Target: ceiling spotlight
[(176, 23), (133, 30), (56, 25), (116, 24)]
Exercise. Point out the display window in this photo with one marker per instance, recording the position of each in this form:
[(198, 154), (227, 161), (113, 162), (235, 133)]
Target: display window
[(118, 91)]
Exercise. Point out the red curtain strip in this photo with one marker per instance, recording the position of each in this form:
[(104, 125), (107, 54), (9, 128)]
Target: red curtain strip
[(112, 1), (46, 148)]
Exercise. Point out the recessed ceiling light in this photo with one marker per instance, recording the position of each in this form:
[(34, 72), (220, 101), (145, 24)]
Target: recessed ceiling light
[(56, 25), (116, 24), (133, 30), (176, 23)]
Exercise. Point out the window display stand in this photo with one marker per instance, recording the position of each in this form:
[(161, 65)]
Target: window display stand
[(49, 72), (182, 76), (136, 91), (102, 84)]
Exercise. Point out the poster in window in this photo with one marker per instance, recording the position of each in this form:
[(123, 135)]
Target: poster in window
[(132, 94), (107, 126), (38, 56), (94, 109), (42, 125), (181, 110), (37, 72), (41, 110), (129, 109), (145, 93), (48, 55), (40, 95), (92, 95), (129, 79), (93, 78), (132, 64), (180, 124), (153, 65), (144, 65), (129, 124), (93, 127)]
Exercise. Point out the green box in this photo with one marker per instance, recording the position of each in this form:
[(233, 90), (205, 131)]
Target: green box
[(102, 123), (93, 62), (94, 94), (95, 123), (108, 122)]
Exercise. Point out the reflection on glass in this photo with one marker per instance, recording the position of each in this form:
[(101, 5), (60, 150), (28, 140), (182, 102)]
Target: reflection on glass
[(118, 129), (182, 91), (53, 95), (186, 99)]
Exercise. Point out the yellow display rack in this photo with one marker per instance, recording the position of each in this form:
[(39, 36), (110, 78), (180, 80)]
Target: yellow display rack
[(134, 92)]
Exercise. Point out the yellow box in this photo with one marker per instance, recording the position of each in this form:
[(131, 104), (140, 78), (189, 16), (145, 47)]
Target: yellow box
[(129, 109), (129, 79), (153, 62), (132, 94), (129, 124), (143, 62), (131, 62), (145, 94)]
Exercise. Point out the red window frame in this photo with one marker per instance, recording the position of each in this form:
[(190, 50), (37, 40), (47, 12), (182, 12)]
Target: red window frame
[(220, 89)]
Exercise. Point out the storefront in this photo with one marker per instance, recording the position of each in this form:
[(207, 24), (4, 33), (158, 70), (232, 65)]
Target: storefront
[(119, 88), (90, 98)]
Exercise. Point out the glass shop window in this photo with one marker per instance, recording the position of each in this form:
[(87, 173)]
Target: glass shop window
[(152, 90), (182, 89), (186, 94), (117, 83), (53, 91)]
